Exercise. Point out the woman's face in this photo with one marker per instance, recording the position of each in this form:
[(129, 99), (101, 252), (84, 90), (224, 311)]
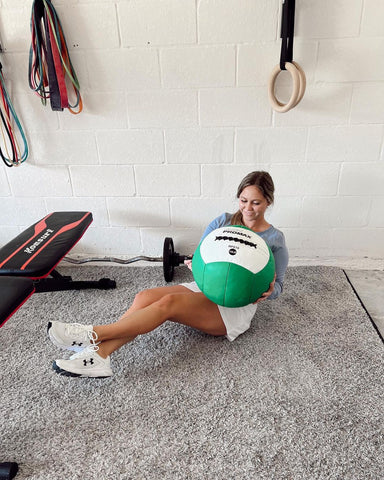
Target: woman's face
[(252, 204)]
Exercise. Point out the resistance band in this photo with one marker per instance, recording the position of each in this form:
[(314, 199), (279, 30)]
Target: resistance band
[(50, 67), (287, 63), (10, 153)]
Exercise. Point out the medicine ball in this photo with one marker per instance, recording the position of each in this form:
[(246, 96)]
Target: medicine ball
[(233, 266)]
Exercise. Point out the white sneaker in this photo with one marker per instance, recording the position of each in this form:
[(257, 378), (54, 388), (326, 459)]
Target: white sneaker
[(71, 336), (87, 363)]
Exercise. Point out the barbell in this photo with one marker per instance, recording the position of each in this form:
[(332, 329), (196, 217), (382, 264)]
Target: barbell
[(170, 259)]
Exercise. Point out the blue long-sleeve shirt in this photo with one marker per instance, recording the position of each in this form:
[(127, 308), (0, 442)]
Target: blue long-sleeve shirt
[(275, 240)]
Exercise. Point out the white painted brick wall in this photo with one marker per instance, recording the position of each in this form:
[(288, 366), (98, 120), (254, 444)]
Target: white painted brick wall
[(309, 179), (40, 181), (366, 242), (323, 104), (256, 60), (219, 182), (34, 116), (131, 147), (306, 241), (110, 241), (286, 212), (4, 184), (123, 69), (96, 205), (157, 22), (195, 212), (337, 60), (162, 109), (376, 218), (335, 211), (88, 26), (58, 148), (202, 146), (236, 21), (355, 143), (372, 21), (367, 103), (328, 18), (14, 212), (271, 145), (103, 181), (139, 212), (168, 180), (102, 111), (176, 112), (14, 26), (355, 179), (198, 67), (7, 233), (230, 107)]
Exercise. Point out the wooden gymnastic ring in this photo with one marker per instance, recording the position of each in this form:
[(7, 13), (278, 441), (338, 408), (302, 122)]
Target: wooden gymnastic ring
[(303, 83), (276, 105)]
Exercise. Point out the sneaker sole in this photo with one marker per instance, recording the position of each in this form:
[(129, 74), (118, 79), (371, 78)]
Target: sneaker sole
[(60, 345), (66, 373)]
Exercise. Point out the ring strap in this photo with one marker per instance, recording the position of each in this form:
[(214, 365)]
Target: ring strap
[(287, 32)]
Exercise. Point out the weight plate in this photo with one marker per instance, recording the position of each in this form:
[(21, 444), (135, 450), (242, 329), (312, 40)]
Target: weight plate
[(168, 253)]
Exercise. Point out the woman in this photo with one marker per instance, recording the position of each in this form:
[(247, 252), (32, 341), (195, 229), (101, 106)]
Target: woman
[(184, 304)]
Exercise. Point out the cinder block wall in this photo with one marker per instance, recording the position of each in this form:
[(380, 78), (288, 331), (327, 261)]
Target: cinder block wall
[(176, 113)]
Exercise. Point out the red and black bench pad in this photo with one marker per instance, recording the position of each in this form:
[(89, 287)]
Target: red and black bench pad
[(36, 252)]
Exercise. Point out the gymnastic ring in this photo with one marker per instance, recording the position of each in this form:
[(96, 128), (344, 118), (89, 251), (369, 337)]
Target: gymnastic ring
[(303, 83), (276, 105)]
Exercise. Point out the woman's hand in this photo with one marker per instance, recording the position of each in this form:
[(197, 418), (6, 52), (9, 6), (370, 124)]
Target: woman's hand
[(266, 294), (188, 263)]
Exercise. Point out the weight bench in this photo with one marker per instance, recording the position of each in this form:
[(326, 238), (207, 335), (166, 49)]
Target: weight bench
[(36, 252), (28, 262)]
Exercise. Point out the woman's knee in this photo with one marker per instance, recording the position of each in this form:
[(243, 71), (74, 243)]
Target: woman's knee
[(144, 298), (169, 304)]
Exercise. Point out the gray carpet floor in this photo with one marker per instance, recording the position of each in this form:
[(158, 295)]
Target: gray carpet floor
[(298, 396)]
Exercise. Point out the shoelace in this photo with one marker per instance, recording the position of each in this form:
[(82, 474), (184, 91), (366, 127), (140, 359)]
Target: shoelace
[(92, 335), (87, 350), (76, 329)]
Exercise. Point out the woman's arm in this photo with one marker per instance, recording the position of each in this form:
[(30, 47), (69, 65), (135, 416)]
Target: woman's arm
[(218, 222), (281, 263)]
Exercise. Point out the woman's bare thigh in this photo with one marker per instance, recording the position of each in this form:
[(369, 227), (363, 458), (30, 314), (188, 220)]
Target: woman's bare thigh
[(178, 304), (196, 310)]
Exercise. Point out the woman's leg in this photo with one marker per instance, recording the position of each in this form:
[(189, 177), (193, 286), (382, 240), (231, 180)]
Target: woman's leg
[(142, 300), (180, 306), (150, 310)]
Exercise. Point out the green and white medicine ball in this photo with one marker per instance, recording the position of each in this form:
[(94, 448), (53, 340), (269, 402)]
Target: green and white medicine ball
[(233, 266)]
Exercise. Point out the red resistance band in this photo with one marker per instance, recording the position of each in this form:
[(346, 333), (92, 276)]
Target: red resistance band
[(49, 59)]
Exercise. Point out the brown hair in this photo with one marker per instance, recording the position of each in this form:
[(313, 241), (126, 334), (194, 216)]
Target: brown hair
[(263, 181)]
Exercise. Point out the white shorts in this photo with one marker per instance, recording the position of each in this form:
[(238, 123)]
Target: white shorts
[(236, 320)]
